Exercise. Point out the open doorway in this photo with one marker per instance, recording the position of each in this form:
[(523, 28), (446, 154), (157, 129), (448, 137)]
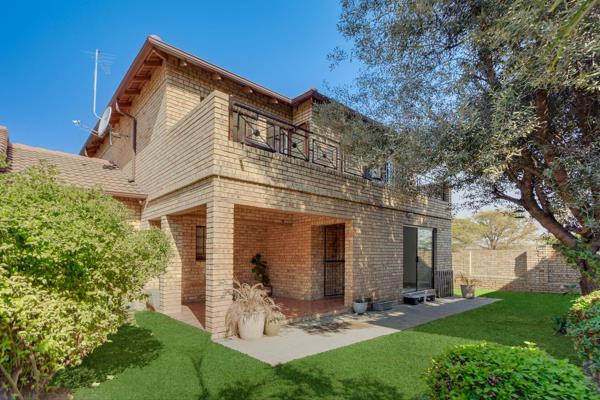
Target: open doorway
[(418, 258)]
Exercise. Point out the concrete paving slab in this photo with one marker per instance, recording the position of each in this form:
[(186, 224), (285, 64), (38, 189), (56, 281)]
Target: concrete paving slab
[(303, 339)]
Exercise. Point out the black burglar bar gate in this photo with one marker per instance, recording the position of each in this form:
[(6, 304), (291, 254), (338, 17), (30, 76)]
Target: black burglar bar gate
[(333, 260)]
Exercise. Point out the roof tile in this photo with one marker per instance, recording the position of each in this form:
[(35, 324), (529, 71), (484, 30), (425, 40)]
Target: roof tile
[(74, 169)]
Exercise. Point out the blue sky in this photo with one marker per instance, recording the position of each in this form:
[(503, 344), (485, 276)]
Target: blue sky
[(47, 64)]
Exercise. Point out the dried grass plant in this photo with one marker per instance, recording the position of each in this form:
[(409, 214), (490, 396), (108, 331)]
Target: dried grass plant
[(249, 301), (468, 280)]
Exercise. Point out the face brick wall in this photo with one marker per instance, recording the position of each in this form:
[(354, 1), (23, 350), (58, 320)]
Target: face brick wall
[(291, 244), (187, 161), (539, 269), (250, 238), (193, 271), (135, 210)]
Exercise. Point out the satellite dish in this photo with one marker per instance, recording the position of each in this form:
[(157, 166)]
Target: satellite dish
[(103, 125)]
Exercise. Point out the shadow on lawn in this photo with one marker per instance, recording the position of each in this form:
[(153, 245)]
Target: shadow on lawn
[(131, 346), (293, 383)]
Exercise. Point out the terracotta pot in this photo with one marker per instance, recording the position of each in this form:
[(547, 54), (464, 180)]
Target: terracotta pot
[(251, 326), (273, 328), (468, 291)]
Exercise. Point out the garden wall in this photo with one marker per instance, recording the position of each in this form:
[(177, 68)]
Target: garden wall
[(538, 269)]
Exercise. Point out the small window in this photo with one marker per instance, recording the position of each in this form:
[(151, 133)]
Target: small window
[(200, 242)]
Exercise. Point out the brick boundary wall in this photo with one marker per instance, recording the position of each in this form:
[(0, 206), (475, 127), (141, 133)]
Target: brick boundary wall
[(540, 269)]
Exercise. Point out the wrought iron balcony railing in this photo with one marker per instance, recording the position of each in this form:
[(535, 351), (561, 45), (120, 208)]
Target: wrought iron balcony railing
[(268, 132)]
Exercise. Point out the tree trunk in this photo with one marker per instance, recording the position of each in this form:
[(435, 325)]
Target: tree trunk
[(587, 285)]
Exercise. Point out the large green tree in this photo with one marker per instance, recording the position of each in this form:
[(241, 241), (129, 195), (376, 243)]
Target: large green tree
[(465, 234), (493, 230), (499, 98)]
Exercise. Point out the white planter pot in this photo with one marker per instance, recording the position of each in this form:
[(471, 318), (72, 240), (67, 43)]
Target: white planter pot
[(251, 326), (272, 328), (360, 308), (468, 291)]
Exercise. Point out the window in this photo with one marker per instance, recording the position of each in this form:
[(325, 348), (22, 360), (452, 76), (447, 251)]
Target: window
[(200, 242)]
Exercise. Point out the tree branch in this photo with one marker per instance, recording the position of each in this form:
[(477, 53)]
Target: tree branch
[(12, 382), (502, 196), (559, 173), (547, 220)]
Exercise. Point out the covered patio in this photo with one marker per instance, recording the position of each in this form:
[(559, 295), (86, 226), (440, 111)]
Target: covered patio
[(305, 256)]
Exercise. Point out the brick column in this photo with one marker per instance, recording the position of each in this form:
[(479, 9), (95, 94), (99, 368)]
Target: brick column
[(170, 280), (219, 264)]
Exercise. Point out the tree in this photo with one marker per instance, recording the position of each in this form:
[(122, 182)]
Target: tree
[(501, 230), (500, 98), (492, 230), (70, 264), (465, 233)]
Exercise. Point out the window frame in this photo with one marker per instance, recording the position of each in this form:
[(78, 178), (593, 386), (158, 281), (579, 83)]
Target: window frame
[(200, 251)]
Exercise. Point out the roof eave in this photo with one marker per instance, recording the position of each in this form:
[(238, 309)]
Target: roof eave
[(153, 43), (127, 195), (192, 59)]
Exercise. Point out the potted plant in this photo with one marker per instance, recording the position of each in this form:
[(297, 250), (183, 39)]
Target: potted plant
[(360, 305), (260, 272), (467, 287), (275, 320), (246, 315)]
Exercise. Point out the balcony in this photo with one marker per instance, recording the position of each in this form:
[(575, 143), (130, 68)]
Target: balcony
[(270, 133)]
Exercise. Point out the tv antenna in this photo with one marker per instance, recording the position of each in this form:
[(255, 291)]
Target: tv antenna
[(96, 56), (103, 125)]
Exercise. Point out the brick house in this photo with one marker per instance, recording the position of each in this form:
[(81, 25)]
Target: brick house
[(228, 169)]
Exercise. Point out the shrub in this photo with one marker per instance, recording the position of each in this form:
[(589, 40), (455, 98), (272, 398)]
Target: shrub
[(248, 301), (70, 263), (584, 327), (489, 371), (42, 333), (260, 270)]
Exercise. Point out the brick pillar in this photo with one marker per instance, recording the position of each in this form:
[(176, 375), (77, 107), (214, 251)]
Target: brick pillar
[(219, 264), (170, 280)]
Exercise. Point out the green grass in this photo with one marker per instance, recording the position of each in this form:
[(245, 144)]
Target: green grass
[(517, 318), (163, 359)]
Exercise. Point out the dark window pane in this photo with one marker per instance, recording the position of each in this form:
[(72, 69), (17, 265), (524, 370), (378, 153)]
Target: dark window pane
[(200, 242)]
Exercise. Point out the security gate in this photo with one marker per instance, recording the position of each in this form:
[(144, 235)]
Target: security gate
[(333, 260)]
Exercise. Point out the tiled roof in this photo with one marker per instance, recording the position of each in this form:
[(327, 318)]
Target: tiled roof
[(75, 169)]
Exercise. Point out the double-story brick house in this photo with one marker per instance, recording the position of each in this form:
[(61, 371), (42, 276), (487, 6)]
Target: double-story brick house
[(228, 168)]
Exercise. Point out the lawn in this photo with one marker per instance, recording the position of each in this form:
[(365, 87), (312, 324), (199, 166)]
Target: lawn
[(163, 359)]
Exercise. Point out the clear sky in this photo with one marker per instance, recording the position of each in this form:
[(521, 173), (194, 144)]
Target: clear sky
[(46, 54), (46, 62)]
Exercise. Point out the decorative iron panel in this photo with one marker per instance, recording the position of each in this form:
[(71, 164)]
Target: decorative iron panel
[(334, 278), (333, 260), (324, 154), (444, 283)]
